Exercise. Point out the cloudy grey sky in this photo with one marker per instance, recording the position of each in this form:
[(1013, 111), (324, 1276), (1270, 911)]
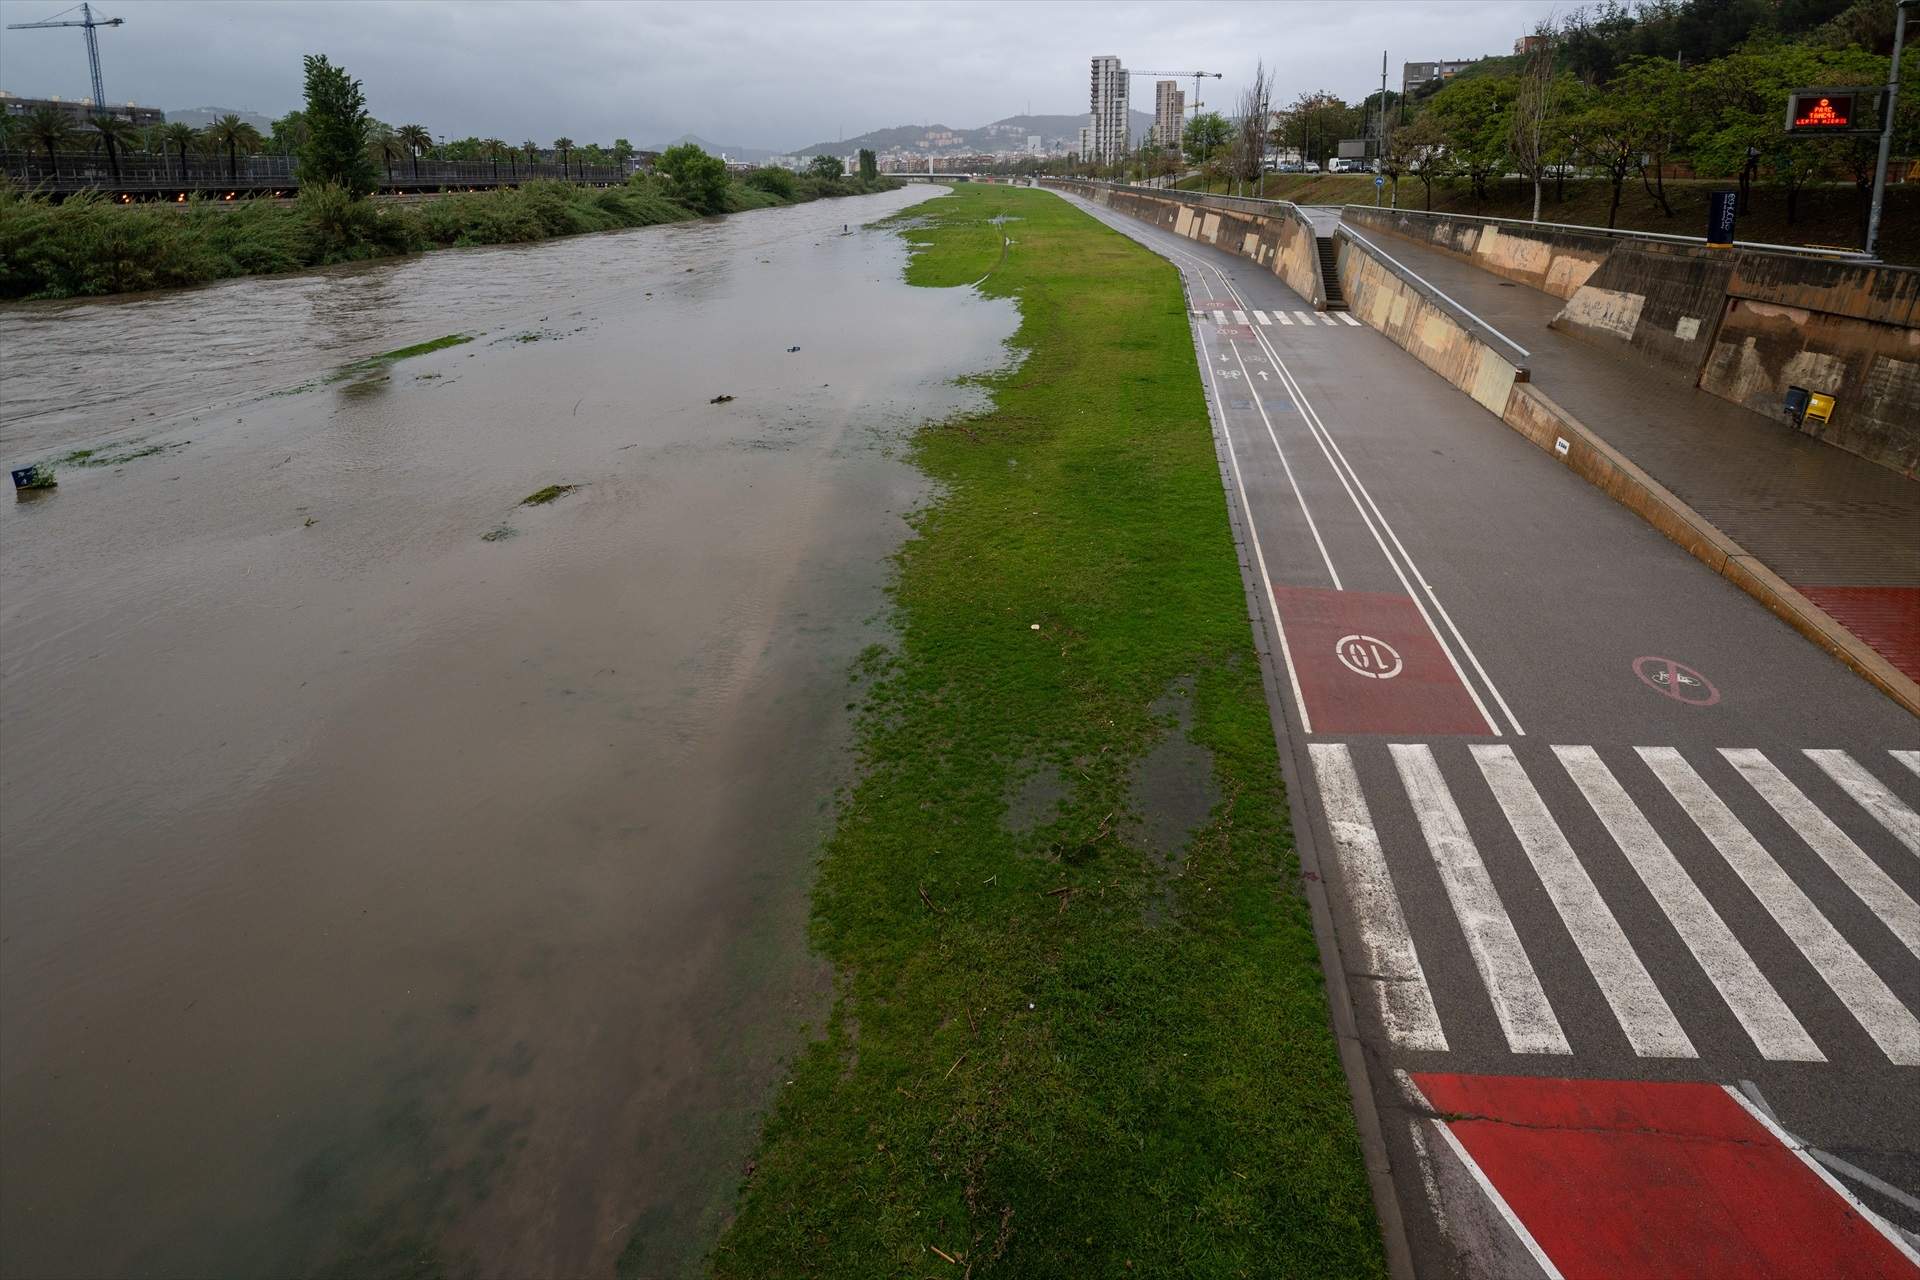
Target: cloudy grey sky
[(755, 74)]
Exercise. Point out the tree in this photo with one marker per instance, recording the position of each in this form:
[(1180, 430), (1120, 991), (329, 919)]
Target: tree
[(532, 149), (1473, 115), (180, 137), (1654, 90), (826, 168), (1252, 140), (236, 135), (1423, 144), (622, 152), (1610, 136), (564, 146), (336, 130), (699, 180), (1535, 110), (494, 148), (386, 146), (416, 140), (112, 133), (1205, 134), (869, 165), (52, 129), (1738, 100), (289, 133), (773, 181)]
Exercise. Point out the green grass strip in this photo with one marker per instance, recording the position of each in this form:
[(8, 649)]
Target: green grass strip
[(1135, 1076)]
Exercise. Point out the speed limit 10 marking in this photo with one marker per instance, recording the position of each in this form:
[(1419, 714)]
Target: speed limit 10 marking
[(1368, 656)]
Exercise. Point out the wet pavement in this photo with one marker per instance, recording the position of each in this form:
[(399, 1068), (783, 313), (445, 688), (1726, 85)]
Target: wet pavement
[(379, 897)]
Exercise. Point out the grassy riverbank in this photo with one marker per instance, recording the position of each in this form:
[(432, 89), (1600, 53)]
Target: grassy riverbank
[(1071, 1036), (85, 246)]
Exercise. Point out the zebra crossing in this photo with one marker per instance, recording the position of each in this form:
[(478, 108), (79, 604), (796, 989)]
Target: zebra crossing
[(1305, 319), (1622, 821)]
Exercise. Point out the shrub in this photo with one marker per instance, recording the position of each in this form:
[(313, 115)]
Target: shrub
[(776, 182)]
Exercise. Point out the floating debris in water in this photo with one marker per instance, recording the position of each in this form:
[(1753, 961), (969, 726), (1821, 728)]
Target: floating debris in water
[(720, 400), (541, 497), (499, 533)]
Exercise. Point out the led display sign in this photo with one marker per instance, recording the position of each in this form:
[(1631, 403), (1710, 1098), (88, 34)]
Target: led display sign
[(1817, 111)]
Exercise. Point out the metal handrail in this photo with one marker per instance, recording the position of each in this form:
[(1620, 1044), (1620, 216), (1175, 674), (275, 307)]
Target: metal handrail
[(1432, 288), (1618, 233)]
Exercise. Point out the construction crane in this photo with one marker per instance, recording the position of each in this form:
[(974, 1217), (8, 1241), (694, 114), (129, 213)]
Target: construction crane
[(1195, 76), (89, 22)]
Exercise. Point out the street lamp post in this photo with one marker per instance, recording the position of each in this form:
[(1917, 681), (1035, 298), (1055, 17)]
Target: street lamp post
[(1886, 127)]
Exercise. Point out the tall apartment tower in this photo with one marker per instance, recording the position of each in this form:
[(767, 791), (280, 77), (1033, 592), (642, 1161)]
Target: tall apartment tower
[(1169, 112), (1109, 111)]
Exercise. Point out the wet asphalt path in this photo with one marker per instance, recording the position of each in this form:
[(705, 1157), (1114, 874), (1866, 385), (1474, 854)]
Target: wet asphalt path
[(1585, 809)]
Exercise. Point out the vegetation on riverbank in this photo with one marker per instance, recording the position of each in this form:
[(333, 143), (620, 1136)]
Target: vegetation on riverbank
[(86, 246), (1069, 1037)]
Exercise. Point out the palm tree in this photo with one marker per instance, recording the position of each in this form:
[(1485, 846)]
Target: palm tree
[(386, 144), (494, 148), (563, 146), (236, 135), (415, 139), (179, 136), (111, 133), (532, 149), (52, 128)]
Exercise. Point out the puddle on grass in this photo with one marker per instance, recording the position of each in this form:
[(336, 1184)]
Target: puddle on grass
[(1171, 789), (1034, 799), (383, 899)]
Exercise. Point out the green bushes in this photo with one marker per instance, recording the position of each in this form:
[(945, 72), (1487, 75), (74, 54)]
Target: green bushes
[(88, 245)]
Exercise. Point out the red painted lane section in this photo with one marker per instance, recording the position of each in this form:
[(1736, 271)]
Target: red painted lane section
[(1637, 1178), (1888, 618), (1367, 663)]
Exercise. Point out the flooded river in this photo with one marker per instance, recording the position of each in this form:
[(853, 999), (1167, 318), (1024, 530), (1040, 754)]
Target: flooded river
[(381, 898)]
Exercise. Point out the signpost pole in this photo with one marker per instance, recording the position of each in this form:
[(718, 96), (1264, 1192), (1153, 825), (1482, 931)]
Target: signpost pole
[(1886, 129)]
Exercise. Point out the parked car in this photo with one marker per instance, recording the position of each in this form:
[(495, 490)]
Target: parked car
[(1339, 165)]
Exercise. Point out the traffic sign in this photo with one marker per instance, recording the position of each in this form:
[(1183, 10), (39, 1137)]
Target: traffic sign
[(1379, 180), (1841, 110), (1677, 680)]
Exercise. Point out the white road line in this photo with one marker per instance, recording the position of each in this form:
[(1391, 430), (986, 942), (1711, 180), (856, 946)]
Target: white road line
[(1259, 553), (1411, 1091), (1329, 447), (1261, 316), (1518, 999), (1306, 317), (1872, 795), (1775, 1031), (1283, 318), (1342, 469), (1326, 317), (1219, 317), (1911, 759), (1787, 1140), (1836, 848), (1349, 319), (1288, 468), (1892, 1026), (1391, 963), (1239, 317), (1643, 1012)]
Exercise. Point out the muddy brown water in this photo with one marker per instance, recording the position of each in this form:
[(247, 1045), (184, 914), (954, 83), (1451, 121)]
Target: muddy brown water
[(379, 899)]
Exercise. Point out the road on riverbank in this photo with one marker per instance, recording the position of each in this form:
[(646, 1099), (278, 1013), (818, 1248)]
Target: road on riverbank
[(1620, 869)]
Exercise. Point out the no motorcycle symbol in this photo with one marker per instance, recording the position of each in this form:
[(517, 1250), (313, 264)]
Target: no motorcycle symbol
[(1677, 680)]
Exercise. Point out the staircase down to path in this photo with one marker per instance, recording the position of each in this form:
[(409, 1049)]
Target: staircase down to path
[(1330, 273)]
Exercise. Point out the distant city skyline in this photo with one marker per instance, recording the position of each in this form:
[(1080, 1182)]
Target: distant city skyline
[(777, 76)]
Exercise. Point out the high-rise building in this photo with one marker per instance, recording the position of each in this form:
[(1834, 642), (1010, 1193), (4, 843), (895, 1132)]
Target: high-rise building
[(1108, 103), (1086, 143), (1169, 112)]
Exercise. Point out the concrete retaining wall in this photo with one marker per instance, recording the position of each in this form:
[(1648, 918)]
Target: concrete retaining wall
[(1269, 232), (1555, 260), (1744, 324), (1422, 323)]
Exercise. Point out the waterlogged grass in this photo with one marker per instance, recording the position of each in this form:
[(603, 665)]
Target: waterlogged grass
[(129, 452), (541, 497), (378, 364), (1054, 1053)]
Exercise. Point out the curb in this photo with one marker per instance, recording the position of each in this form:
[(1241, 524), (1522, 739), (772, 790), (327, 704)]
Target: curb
[(1538, 418)]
